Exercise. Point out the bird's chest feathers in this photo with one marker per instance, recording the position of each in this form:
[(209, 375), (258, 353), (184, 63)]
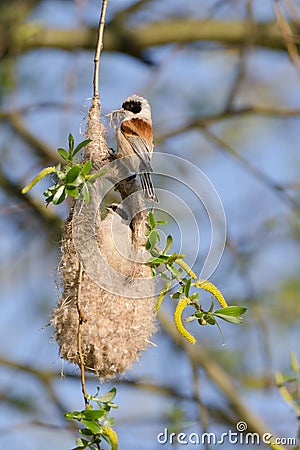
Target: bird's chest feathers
[(138, 128)]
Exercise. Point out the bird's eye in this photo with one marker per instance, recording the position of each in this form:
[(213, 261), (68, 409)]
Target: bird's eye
[(134, 106)]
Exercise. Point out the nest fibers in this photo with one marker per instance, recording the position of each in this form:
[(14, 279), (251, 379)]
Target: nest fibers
[(115, 296)]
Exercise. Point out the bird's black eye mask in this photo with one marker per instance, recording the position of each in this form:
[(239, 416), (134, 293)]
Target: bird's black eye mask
[(134, 106)]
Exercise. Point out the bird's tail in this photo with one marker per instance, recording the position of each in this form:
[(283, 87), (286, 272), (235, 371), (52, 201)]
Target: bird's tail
[(147, 186)]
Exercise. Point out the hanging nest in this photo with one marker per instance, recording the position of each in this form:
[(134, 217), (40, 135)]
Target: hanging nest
[(107, 289)]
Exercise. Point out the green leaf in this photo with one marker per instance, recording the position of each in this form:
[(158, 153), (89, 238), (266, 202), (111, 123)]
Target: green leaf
[(59, 196), (234, 311), (211, 306), (86, 193), (86, 432), (92, 425), (97, 175), (71, 143), (152, 239), (93, 414), (161, 259), (174, 256), (108, 396), (176, 295), (112, 405), (151, 220), (72, 191), (72, 174), (86, 168), (63, 153), (81, 145), (155, 254), (230, 319), (82, 443), (231, 314), (187, 287), (174, 270), (210, 320), (169, 243), (161, 222), (74, 415), (195, 296)]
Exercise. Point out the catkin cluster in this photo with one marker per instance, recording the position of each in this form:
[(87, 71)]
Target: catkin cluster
[(115, 328)]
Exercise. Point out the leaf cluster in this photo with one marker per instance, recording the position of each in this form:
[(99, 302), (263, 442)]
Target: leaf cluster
[(159, 258), (71, 178), (95, 421), (175, 268)]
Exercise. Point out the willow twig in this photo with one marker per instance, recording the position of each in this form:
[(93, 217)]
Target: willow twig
[(99, 47)]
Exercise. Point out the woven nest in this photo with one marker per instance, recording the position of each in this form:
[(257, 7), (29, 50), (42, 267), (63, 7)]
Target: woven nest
[(115, 326)]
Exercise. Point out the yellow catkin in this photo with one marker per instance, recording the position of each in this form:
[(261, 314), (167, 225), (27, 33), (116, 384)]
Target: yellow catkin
[(43, 173), (282, 389), (208, 286), (112, 436), (185, 267), (178, 321), (161, 295)]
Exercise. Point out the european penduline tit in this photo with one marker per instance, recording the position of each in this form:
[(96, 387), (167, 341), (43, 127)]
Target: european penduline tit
[(135, 139)]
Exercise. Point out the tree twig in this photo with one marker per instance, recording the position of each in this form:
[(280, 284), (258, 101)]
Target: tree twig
[(255, 171), (99, 47), (139, 38), (288, 36)]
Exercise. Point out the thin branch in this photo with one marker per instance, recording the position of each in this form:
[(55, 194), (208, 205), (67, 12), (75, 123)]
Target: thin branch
[(227, 115), (15, 121), (241, 68), (99, 47), (81, 321), (288, 36), (268, 111), (139, 38), (255, 171), (122, 15)]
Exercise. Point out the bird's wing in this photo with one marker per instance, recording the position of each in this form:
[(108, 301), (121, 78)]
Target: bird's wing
[(142, 146)]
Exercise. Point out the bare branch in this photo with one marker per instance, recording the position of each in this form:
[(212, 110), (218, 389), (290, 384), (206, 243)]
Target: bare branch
[(138, 39), (253, 170), (15, 121), (268, 111), (288, 37), (99, 47)]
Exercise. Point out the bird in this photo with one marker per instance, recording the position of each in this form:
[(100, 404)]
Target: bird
[(135, 140)]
